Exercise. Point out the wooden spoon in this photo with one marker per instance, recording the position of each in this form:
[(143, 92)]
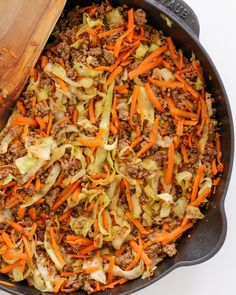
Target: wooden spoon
[(25, 26)]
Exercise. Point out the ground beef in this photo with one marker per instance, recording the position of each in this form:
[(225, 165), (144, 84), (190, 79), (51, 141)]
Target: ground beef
[(85, 283), (135, 171), (140, 17), (70, 167), (170, 250), (123, 115), (109, 56), (53, 195), (154, 251), (41, 109), (125, 259)]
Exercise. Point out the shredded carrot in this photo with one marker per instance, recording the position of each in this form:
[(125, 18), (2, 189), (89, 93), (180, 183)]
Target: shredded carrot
[(145, 68), (114, 74), (166, 84), (184, 114), (64, 216), (7, 240), (91, 142), (32, 213), (120, 40), (8, 268), (109, 33), (130, 24), (33, 230), (113, 284), (64, 196), (40, 122), (16, 255), (153, 98), (197, 180), (20, 107), (165, 238), (216, 181), (153, 55), (136, 142), (188, 87), (135, 96), (197, 202), (105, 219), (27, 247), (49, 127), (59, 283), (128, 195), (144, 256), (135, 221), (173, 52), (91, 111), (184, 153), (34, 101), (214, 167), (136, 258), (75, 116), (110, 270), (44, 61), (55, 246), (20, 120), (180, 127), (88, 249), (171, 162), (62, 84), (20, 213), (18, 227)]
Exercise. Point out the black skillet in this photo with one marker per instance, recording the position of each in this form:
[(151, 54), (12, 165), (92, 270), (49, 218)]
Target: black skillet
[(208, 235)]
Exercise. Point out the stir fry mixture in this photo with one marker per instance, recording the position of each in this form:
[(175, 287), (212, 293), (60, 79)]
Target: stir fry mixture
[(109, 156)]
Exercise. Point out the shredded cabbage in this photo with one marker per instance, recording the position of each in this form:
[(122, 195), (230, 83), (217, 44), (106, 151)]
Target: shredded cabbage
[(25, 164), (88, 23)]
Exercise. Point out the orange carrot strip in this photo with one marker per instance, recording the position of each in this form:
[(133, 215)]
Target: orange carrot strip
[(64, 216), (213, 167), (171, 162), (173, 52), (49, 127), (75, 116), (188, 87), (64, 196), (166, 65), (40, 122), (62, 84), (113, 284), (197, 180), (20, 213), (110, 32), (16, 255), (184, 114), (153, 55), (56, 247), (128, 195), (153, 98), (110, 270), (144, 256), (10, 267), (165, 238), (166, 84), (44, 61), (201, 197), (184, 153), (7, 240), (91, 111), (88, 249), (135, 96), (105, 219), (33, 230), (20, 120), (114, 74), (145, 68), (135, 221), (130, 24), (20, 107), (18, 227), (59, 283), (27, 247), (180, 127), (136, 142), (91, 142), (120, 40), (136, 258), (32, 213)]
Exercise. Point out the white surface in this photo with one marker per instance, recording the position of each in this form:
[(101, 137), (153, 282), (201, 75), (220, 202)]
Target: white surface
[(216, 276)]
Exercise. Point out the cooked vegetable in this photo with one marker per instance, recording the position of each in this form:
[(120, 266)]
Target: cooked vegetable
[(112, 152)]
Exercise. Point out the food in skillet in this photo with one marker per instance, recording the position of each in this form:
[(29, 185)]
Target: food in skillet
[(109, 156)]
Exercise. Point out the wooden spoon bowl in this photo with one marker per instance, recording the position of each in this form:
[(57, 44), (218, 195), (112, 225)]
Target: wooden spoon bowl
[(25, 26)]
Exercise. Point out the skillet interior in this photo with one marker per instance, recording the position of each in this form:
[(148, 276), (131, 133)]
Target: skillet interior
[(208, 235)]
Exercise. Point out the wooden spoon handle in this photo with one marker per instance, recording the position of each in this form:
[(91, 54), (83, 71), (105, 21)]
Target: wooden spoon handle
[(25, 26)]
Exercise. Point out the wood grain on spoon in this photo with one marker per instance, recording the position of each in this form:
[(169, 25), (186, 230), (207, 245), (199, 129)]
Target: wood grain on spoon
[(25, 26)]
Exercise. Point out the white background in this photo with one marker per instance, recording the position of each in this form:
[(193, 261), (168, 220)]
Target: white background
[(218, 275)]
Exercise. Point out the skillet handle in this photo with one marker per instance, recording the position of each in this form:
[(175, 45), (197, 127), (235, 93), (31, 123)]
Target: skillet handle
[(179, 10)]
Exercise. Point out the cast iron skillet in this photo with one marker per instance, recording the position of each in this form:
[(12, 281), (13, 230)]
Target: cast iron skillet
[(208, 235)]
